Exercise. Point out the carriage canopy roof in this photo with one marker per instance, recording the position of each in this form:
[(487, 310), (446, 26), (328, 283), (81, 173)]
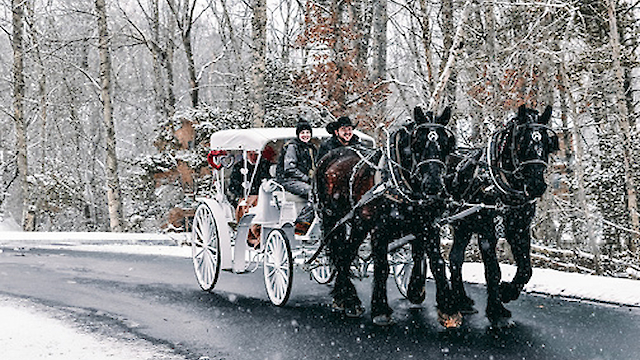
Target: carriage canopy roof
[(257, 138)]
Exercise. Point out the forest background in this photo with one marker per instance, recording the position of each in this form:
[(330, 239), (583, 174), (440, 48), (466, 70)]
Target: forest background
[(106, 106)]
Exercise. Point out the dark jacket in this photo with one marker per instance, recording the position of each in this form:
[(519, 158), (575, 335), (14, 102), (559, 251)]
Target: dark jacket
[(296, 161), (236, 191), (333, 143)]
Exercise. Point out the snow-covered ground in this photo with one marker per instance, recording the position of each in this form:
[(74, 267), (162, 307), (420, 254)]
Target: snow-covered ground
[(29, 331)]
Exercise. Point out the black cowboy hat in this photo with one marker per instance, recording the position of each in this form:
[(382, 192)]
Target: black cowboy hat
[(344, 121)]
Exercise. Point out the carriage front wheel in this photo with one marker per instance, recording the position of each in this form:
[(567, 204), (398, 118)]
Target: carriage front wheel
[(322, 271), (278, 267), (205, 248), (401, 263)]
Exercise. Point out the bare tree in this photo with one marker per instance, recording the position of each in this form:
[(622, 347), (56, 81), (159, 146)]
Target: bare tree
[(379, 70), (623, 121), (184, 15), (258, 61), (114, 197), (18, 106), (454, 49)]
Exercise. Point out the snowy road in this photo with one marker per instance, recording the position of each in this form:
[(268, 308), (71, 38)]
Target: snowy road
[(149, 307)]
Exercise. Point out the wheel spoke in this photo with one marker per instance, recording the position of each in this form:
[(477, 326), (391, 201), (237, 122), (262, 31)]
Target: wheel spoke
[(205, 251), (271, 272), (277, 267)]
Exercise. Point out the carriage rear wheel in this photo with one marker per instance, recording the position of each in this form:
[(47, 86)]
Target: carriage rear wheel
[(401, 266), (278, 267), (322, 272), (205, 248)]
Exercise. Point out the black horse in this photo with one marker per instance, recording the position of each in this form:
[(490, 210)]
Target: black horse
[(388, 193), (496, 188)]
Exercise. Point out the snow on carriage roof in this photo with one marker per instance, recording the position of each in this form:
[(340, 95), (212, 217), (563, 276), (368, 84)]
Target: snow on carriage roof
[(256, 138)]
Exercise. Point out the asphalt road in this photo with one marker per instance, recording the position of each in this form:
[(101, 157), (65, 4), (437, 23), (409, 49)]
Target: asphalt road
[(157, 298)]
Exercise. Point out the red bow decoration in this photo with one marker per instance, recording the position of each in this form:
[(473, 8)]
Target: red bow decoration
[(211, 158)]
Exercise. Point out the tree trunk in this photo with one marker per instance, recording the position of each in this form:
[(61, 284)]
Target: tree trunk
[(623, 120), (114, 197), (378, 75), (448, 30), (426, 43), (18, 106), (364, 14), (258, 63), (191, 68), (453, 53), (338, 94), (185, 25), (581, 196), (168, 66), (158, 56)]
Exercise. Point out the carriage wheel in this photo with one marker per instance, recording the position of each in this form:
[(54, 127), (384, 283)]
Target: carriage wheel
[(205, 248), (278, 267), (323, 272), (401, 266)]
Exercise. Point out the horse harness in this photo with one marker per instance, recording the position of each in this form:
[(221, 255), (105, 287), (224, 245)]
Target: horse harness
[(492, 178), (389, 178)]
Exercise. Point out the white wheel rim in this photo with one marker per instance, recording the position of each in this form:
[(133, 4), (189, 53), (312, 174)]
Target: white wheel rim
[(204, 248), (322, 273), (277, 269), (402, 266)]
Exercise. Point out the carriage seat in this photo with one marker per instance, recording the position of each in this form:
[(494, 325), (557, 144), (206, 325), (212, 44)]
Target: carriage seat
[(276, 204)]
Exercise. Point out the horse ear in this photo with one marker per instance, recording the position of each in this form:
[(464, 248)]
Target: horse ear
[(444, 118), (522, 114), (554, 143), (546, 116), (452, 143), (418, 115)]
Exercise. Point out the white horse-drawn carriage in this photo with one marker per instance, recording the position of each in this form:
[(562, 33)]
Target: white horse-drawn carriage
[(219, 240)]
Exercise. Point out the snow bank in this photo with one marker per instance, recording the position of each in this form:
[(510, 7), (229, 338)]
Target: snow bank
[(30, 332)]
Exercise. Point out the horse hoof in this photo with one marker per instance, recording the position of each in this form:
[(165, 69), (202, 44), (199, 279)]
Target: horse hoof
[(465, 306), (450, 321), (467, 310), (508, 292), (354, 312), (417, 296), (497, 312), (501, 323), (337, 306), (383, 320)]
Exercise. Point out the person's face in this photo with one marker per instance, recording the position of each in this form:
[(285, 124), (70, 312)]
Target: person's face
[(304, 136), (252, 156), (345, 133)]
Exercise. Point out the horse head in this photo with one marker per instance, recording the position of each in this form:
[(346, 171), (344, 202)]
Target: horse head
[(430, 144), (526, 148)]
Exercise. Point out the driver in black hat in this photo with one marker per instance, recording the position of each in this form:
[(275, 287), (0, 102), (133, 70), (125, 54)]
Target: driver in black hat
[(342, 135)]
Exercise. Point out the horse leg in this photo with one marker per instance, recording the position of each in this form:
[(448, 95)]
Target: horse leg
[(520, 242), (461, 238), (496, 312), (380, 310), (342, 253), (448, 315), (416, 290)]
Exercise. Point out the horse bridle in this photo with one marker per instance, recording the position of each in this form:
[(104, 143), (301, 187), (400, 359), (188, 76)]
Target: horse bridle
[(516, 162), (432, 137), (536, 133)]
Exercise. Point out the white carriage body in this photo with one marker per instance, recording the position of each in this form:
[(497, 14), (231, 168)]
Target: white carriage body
[(276, 209)]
